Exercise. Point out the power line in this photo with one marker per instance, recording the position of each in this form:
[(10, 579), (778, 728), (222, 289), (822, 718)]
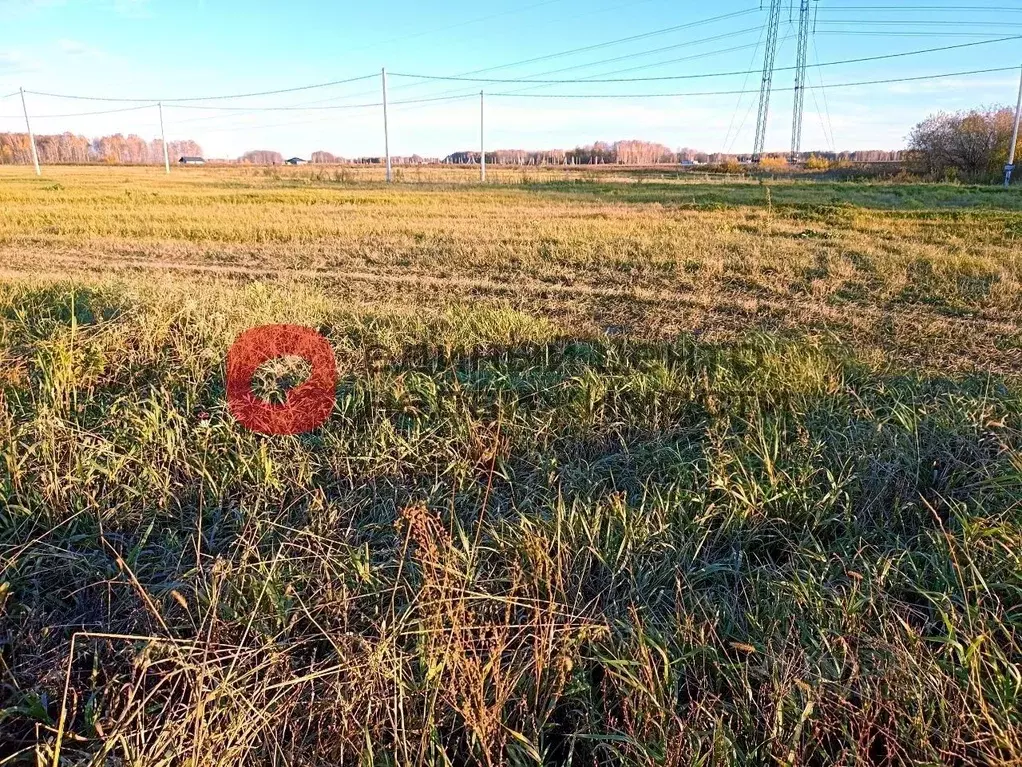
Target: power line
[(733, 93), (254, 110), (179, 103), (210, 98), (948, 8), (931, 33), (706, 54), (100, 112), (919, 22), (609, 43), (316, 108), (249, 110), (702, 75), (557, 54), (826, 105), (688, 43), (637, 54), (221, 129), (605, 44), (619, 41), (738, 103)]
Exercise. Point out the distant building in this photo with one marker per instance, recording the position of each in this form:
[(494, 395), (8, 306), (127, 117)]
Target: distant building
[(295, 161), (192, 161)]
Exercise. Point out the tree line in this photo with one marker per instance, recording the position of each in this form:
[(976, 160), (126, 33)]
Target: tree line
[(931, 136), (600, 153), (75, 149)]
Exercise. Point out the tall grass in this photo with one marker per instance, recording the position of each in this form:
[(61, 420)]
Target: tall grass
[(761, 519), (509, 544)]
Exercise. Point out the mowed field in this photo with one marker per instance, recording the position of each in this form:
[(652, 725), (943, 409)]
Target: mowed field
[(624, 468)]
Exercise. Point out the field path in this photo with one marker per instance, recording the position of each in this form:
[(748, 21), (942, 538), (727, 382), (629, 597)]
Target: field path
[(953, 340)]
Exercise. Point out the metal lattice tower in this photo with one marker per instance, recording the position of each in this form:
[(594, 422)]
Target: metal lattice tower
[(769, 55), (800, 80)]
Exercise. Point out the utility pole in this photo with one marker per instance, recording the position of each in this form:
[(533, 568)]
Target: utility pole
[(769, 56), (482, 140), (1014, 138), (800, 81), (386, 132), (31, 138), (163, 135)]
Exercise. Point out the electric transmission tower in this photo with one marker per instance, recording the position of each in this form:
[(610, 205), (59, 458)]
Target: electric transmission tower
[(800, 80), (769, 55)]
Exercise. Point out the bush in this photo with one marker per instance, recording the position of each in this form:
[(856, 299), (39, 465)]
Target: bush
[(817, 163), (968, 146), (773, 161)]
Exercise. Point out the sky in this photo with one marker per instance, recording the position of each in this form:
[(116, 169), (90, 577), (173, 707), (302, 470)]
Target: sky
[(155, 50)]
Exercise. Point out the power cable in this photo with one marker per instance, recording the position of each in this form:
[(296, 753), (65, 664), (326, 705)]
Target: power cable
[(558, 54), (319, 119), (753, 103), (732, 93), (929, 8), (619, 41), (918, 22), (100, 112), (637, 54), (313, 109), (211, 98), (682, 77), (553, 55), (745, 83), (178, 103), (823, 91), (703, 74), (930, 34), (596, 46)]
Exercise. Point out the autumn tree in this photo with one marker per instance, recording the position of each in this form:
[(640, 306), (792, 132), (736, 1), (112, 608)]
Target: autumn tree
[(262, 157), (68, 148), (971, 144)]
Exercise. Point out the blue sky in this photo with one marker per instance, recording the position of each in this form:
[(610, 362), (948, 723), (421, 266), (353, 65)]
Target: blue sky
[(166, 49)]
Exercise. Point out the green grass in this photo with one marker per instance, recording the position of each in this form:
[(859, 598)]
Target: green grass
[(699, 512)]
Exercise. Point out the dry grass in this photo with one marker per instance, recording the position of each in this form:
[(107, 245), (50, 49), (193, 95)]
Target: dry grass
[(666, 472)]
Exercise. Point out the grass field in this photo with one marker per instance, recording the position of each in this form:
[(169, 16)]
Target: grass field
[(623, 469)]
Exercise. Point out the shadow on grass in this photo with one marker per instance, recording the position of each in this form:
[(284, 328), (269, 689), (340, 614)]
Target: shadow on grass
[(717, 508), (938, 199)]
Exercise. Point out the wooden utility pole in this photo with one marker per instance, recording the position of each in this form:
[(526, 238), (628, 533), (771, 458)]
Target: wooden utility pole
[(1014, 137), (163, 135), (31, 138), (386, 132)]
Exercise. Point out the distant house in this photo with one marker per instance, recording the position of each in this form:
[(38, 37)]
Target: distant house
[(192, 161), (295, 161)]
